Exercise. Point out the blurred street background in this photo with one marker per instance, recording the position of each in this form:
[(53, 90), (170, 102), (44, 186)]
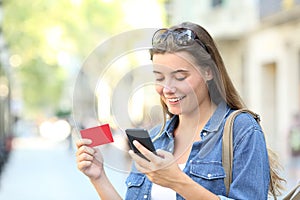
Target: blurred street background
[(43, 48)]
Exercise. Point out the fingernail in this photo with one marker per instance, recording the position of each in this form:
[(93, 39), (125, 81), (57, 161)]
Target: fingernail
[(135, 142), (89, 141)]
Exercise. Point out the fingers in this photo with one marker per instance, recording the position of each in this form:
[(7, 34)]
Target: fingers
[(163, 154), (141, 164), (84, 154), (82, 142), (82, 146), (161, 160), (83, 165), (148, 154), (84, 159), (152, 163), (85, 149)]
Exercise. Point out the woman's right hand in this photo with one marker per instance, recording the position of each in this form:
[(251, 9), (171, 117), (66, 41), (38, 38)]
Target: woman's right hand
[(89, 160)]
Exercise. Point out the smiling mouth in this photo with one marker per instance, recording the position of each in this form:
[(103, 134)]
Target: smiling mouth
[(174, 100)]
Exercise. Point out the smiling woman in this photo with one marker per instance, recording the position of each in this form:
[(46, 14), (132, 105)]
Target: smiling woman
[(179, 83), (197, 96)]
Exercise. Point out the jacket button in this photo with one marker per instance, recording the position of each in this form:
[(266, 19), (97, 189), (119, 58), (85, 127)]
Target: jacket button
[(145, 196), (208, 175)]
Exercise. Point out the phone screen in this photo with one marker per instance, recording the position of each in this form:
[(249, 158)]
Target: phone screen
[(142, 136)]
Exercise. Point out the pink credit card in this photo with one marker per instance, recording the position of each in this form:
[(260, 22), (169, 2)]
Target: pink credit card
[(99, 135)]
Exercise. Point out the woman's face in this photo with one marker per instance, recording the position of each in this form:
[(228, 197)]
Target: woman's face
[(179, 83)]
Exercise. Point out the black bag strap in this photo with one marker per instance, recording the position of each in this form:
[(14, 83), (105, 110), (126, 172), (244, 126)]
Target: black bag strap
[(227, 145)]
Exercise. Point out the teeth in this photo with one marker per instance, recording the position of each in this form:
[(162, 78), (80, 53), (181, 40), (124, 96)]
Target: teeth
[(175, 99)]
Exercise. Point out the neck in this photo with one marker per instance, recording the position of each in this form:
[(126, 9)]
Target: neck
[(195, 122)]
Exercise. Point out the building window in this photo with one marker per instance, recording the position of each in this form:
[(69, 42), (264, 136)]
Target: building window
[(216, 3)]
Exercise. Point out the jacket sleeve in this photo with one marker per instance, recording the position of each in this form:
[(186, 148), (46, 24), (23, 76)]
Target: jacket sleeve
[(251, 172)]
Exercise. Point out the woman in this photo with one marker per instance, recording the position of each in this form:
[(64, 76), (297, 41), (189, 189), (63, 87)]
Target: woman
[(197, 95)]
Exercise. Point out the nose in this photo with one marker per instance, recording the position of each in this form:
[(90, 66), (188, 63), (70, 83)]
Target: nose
[(168, 89)]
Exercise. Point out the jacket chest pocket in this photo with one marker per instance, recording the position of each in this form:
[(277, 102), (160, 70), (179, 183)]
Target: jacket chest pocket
[(207, 170), (209, 175), (135, 180), (134, 183)]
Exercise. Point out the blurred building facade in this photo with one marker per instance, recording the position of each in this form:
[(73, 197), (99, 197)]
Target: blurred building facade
[(260, 45)]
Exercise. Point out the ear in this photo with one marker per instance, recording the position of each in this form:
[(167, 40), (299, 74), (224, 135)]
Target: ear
[(208, 75)]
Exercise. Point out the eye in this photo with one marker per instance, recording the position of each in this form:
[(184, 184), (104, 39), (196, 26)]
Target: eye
[(180, 76), (159, 77)]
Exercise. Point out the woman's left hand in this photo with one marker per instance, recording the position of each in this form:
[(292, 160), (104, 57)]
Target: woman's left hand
[(161, 169)]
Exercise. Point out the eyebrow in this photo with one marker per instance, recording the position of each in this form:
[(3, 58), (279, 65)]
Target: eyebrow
[(174, 72)]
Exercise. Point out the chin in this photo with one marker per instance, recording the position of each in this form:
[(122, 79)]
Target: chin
[(175, 112)]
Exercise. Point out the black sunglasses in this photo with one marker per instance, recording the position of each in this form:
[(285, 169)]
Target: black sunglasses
[(181, 36)]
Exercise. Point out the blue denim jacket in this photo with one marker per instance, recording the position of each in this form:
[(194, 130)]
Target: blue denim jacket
[(250, 178)]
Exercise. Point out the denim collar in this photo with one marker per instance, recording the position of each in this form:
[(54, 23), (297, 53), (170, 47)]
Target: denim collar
[(212, 125), (171, 125), (217, 118)]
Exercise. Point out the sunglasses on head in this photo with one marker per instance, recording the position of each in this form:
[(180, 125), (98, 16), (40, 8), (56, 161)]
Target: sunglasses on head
[(181, 36)]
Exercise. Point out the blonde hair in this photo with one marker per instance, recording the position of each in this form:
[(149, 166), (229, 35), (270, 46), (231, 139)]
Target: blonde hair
[(220, 87)]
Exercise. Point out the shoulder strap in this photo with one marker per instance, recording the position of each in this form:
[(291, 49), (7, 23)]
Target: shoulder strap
[(294, 194), (227, 145)]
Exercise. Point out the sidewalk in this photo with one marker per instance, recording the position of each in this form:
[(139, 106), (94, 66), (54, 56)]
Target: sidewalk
[(38, 169)]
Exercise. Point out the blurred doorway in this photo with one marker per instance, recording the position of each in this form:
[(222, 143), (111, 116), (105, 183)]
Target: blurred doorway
[(269, 75)]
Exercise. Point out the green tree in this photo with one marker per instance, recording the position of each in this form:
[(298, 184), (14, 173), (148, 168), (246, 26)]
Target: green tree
[(37, 31)]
